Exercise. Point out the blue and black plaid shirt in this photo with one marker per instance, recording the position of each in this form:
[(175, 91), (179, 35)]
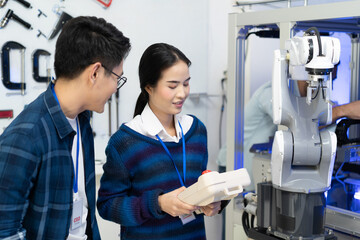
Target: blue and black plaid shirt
[(36, 173)]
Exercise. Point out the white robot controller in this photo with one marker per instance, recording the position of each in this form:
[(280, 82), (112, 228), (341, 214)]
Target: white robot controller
[(213, 187)]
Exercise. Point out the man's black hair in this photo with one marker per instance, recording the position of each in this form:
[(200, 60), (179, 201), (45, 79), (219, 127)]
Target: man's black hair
[(86, 40)]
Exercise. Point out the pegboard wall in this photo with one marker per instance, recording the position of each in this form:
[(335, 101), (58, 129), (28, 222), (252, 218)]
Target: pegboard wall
[(182, 23)]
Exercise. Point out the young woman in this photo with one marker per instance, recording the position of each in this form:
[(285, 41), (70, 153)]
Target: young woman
[(155, 156)]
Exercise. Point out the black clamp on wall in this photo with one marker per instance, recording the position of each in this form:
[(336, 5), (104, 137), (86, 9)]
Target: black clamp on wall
[(35, 57), (5, 58)]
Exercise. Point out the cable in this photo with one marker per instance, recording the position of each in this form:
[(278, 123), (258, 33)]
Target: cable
[(322, 89), (252, 220), (317, 36), (245, 223), (318, 89), (222, 109), (245, 219), (337, 178)]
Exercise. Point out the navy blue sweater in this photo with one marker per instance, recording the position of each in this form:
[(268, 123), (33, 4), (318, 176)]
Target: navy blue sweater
[(137, 171)]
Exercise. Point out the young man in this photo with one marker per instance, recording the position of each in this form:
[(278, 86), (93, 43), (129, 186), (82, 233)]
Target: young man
[(47, 172)]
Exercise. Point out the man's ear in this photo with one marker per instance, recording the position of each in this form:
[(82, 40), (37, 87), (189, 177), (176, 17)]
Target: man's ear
[(94, 72)]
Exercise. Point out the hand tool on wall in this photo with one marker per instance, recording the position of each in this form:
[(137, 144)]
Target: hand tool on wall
[(6, 114), (105, 3), (5, 59), (3, 3), (64, 17), (41, 13), (36, 55), (22, 2), (11, 15), (41, 34)]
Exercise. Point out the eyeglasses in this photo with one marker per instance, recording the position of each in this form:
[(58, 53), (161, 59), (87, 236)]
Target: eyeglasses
[(121, 80)]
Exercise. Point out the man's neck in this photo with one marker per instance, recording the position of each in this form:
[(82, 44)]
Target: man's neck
[(67, 92)]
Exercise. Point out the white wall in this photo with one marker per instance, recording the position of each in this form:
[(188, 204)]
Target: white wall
[(198, 28)]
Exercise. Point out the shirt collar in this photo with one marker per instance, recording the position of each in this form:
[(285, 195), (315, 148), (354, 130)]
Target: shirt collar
[(59, 119), (154, 127)]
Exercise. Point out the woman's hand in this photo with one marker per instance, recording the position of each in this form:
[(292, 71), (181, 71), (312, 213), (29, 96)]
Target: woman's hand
[(171, 204), (211, 209)]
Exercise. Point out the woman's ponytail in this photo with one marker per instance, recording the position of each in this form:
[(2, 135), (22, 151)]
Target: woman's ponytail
[(141, 103)]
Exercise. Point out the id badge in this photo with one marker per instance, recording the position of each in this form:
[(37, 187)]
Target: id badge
[(186, 218), (76, 214)]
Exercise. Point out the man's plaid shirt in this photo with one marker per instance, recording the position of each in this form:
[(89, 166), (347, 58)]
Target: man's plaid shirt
[(36, 173)]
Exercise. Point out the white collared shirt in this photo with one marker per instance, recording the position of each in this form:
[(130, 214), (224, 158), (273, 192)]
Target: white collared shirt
[(149, 125), (79, 233)]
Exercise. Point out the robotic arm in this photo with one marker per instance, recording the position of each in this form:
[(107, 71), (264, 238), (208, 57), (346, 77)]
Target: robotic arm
[(302, 159)]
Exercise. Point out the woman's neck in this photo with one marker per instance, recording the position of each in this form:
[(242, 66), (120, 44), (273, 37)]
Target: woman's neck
[(169, 125), (167, 120)]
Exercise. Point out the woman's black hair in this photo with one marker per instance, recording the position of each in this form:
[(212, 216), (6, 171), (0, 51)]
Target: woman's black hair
[(156, 58)]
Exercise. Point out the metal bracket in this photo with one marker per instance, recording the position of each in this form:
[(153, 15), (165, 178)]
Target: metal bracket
[(5, 58), (35, 57)]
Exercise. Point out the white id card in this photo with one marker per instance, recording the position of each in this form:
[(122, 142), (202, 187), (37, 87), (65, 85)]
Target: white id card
[(186, 218), (76, 214)]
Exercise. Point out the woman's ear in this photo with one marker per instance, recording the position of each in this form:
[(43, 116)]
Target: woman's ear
[(149, 90)]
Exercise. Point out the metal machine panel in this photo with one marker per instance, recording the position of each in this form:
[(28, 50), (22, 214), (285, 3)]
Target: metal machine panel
[(343, 220)]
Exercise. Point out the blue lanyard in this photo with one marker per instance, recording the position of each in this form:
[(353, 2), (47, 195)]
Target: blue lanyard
[(77, 157), (75, 186), (184, 156)]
